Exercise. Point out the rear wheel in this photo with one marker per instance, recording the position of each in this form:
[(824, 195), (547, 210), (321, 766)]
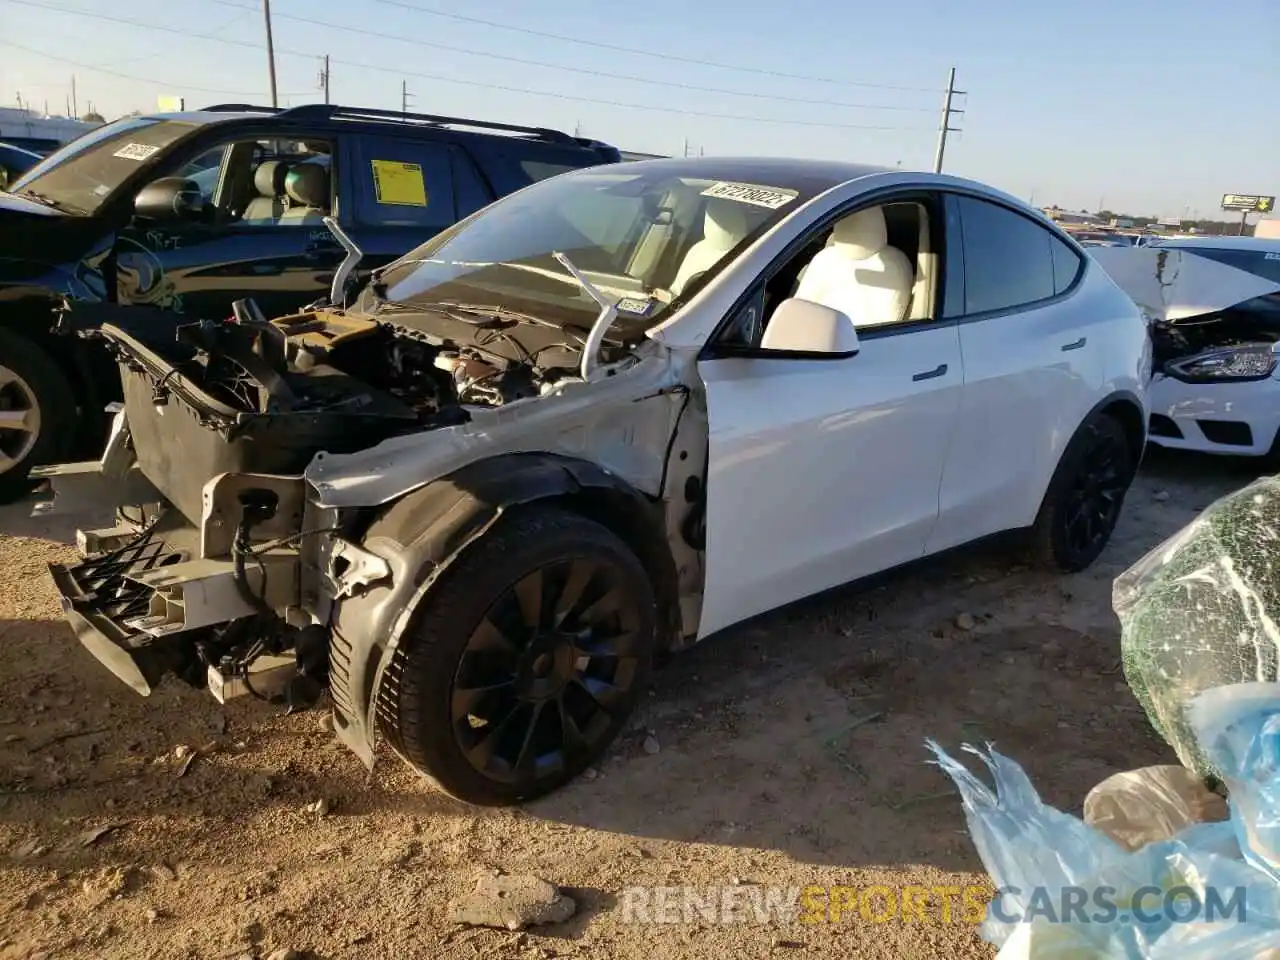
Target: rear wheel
[(526, 660), (1085, 497), (37, 413)]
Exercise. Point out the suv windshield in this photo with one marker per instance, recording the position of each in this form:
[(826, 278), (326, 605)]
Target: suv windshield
[(646, 236), (79, 177)]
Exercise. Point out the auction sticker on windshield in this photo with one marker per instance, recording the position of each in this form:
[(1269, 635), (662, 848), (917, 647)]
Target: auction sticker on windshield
[(400, 183), (750, 193), (136, 151)]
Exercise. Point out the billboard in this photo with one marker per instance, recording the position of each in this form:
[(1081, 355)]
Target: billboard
[(1250, 203)]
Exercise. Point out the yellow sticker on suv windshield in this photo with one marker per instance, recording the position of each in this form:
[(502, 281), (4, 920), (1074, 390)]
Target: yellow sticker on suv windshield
[(395, 181)]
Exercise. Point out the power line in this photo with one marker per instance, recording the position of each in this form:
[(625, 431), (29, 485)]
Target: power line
[(131, 76), (647, 53), (443, 78), (631, 78)]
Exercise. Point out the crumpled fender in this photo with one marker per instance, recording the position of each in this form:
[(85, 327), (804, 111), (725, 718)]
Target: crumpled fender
[(420, 536)]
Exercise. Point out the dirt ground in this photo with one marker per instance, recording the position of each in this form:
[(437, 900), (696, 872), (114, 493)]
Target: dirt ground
[(791, 753)]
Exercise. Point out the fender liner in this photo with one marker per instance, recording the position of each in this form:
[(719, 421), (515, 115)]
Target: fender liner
[(423, 533)]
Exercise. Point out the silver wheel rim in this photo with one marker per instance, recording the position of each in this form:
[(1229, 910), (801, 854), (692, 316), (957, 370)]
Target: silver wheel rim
[(19, 419)]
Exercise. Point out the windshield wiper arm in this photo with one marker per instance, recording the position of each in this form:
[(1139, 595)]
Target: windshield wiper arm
[(608, 313)]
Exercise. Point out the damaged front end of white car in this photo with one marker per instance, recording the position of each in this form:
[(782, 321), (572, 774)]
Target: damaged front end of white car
[(1214, 312), (288, 491)]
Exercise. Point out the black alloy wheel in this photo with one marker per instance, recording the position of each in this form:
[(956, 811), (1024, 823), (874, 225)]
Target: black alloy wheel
[(526, 660), (1085, 497)]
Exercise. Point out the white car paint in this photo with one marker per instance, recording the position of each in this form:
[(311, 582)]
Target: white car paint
[(1170, 282), (822, 471)]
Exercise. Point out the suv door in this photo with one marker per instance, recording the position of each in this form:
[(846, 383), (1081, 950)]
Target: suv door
[(1031, 367), (260, 233), (823, 470)]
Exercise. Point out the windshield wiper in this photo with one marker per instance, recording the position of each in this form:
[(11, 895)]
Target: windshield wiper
[(608, 313), (50, 202)]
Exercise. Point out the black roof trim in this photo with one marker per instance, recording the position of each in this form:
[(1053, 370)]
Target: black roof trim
[(323, 111)]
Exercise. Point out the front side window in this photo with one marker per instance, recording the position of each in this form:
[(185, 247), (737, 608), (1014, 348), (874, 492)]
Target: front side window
[(82, 175), (1008, 260), (644, 239)]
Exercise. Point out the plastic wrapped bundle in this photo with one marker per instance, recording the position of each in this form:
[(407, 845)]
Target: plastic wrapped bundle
[(1202, 610), (1210, 891)]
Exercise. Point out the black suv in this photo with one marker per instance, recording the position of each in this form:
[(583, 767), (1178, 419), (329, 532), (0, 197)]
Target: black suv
[(191, 211)]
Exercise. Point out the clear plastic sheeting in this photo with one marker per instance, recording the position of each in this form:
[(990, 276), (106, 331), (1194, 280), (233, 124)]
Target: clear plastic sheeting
[(1138, 807), (1066, 890), (1202, 610)]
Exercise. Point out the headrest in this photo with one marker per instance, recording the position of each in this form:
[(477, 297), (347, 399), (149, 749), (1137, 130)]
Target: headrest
[(724, 224), (268, 179), (862, 234), (308, 184)]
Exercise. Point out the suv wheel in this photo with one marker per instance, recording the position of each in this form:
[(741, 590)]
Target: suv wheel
[(1084, 499), (525, 661), (37, 413)]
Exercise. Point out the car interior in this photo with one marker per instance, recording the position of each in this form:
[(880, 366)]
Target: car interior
[(877, 265), (267, 183)]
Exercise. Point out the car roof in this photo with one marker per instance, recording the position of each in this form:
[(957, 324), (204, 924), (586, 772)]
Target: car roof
[(808, 176), (1246, 244)]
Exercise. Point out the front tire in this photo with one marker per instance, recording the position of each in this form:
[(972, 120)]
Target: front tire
[(37, 413), (525, 660), (1085, 497)]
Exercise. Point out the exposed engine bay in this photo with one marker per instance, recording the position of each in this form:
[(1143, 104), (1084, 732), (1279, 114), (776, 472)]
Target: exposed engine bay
[(1245, 324)]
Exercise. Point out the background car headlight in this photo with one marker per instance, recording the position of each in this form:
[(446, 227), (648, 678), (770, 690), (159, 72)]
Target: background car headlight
[(1251, 361)]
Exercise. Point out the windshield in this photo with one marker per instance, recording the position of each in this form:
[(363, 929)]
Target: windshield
[(79, 177), (645, 237)]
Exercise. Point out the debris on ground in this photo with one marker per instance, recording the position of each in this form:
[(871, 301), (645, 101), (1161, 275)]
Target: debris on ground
[(966, 622), (513, 902), (651, 745)]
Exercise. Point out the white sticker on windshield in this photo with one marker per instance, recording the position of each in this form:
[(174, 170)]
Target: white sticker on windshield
[(136, 151), (750, 193), (638, 306)]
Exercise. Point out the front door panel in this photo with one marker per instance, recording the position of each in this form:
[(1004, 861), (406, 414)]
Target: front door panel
[(823, 471)]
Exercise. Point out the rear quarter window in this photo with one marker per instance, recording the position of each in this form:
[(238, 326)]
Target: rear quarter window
[(405, 183)]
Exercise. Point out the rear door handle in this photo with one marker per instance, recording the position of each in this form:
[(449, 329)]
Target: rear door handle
[(939, 371), (1073, 346)]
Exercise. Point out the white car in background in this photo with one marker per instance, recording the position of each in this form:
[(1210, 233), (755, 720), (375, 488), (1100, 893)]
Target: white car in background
[(1214, 305), (602, 418)]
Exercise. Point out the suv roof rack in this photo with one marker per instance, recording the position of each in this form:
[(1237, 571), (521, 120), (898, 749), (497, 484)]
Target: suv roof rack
[(333, 112)]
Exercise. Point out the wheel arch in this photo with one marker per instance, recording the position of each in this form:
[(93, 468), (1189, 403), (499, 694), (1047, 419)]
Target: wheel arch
[(29, 313), (1124, 407), (424, 533)]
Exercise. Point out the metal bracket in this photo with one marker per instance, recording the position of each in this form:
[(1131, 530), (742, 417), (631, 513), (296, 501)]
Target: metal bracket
[(362, 568)]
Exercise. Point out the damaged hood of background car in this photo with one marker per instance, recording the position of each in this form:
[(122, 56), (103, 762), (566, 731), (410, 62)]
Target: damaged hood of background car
[(1173, 284)]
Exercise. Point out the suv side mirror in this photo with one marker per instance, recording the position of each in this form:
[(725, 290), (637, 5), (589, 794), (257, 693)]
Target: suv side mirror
[(168, 199), (802, 326)]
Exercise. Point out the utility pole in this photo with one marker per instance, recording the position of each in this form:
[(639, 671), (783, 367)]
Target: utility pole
[(271, 52), (945, 128), (404, 96), (324, 78), (75, 106)]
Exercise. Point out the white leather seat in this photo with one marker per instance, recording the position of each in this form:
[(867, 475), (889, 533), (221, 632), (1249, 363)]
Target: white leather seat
[(859, 274), (724, 224)]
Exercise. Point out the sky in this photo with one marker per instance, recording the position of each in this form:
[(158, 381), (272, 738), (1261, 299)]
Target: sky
[(1143, 106)]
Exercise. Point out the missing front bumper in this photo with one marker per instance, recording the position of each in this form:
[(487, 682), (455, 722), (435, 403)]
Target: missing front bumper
[(143, 606)]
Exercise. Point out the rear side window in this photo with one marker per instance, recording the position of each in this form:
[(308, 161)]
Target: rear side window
[(1066, 265), (404, 183), (1008, 260)]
